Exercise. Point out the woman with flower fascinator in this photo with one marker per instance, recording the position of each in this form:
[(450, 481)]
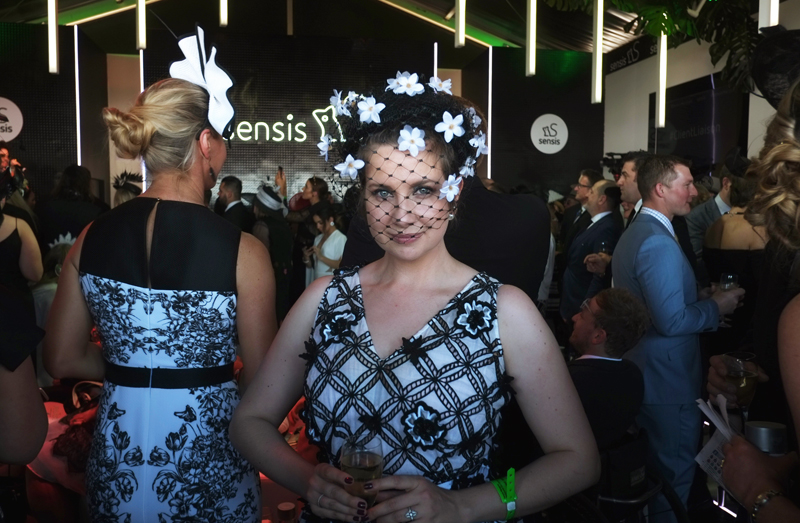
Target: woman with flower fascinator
[(175, 293), (414, 355)]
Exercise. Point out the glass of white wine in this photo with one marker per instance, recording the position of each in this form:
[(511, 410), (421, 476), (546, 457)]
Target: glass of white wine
[(742, 374), (363, 461), (727, 282)]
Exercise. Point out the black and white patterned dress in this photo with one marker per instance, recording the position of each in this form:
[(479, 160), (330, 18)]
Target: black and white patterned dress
[(161, 451), (434, 403)]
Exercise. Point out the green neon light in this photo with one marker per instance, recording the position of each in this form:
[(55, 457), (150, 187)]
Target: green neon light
[(82, 12), (473, 32)]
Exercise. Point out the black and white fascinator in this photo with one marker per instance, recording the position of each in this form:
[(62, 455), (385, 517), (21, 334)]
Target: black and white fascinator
[(203, 71)]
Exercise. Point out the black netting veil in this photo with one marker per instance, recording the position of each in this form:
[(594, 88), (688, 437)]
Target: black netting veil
[(386, 143)]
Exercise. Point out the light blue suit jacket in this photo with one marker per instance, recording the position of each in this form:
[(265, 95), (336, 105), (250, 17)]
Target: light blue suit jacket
[(649, 262)]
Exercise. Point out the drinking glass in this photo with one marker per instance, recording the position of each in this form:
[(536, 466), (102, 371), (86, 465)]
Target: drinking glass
[(742, 374), (363, 461), (727, 282)]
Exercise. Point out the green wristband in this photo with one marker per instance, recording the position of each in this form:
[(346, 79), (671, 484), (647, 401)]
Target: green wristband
[(508, 495)]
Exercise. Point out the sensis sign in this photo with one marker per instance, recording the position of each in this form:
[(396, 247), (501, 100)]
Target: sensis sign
[(10, 120), (549, 134), (290, 130)]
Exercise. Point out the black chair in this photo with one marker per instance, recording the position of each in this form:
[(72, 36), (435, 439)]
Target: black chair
[(627, 484)]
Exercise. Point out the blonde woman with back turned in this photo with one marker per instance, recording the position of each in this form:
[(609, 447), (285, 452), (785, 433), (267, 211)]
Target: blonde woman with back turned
[(170, 287)]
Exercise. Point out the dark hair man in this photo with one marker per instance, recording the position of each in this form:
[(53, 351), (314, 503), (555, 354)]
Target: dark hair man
[(230, 194)]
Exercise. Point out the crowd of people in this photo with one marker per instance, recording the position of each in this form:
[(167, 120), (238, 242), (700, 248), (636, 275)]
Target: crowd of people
[(410, 320)]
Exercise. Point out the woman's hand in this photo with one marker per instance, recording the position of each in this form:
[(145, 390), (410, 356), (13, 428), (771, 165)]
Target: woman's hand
[(717, 371), (417, 495), (747, 472), (328, 498)]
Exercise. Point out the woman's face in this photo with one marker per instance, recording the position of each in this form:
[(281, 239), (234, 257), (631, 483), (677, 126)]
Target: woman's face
[(320, 223), (404, 212), (308, 191)]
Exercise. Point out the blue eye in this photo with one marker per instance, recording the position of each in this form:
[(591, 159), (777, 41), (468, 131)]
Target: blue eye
[(383, 194), (424, 191)]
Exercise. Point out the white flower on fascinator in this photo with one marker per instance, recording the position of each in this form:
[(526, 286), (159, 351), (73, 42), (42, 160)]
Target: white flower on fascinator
[(369, 111), (349, 167), (63, 238), (450, 126), (479, 143), (352, 97), (324, 145), (476, 120), (438, 85), (208, 75), (450, 188), (336, 102), (411, 140), (409, 84), (468, 169), (394, 83)]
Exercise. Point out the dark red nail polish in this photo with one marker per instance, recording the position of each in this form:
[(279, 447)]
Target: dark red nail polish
[(348, 480), (361, 504), (361, 512), (367, 486)]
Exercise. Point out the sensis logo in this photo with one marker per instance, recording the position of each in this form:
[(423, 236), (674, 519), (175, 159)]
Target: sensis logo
[(549, 134), (291, 130), (10, 120)]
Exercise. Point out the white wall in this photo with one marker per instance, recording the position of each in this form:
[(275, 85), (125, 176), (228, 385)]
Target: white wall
[(123, 88), (627, 91)]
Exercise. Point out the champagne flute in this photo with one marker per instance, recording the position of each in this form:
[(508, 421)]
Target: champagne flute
[(363, 461), (727, 282), (742, 374)]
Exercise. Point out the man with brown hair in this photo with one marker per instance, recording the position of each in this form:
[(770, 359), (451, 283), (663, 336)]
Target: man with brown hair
[(611, 389), (649, 263)]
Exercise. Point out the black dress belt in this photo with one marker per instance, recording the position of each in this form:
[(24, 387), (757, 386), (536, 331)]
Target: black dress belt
[(168, 378)]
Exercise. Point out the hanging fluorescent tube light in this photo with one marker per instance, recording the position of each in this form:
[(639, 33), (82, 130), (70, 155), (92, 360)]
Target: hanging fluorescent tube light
[(661, 105), (223, 13), (77, 94), (768, 13), (52, 36), (597, 53), (141, 25), (461, 22), (530, 43)]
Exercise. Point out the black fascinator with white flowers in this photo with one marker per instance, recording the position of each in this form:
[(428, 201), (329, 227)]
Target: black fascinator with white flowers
[(414, 116), (127, 182)]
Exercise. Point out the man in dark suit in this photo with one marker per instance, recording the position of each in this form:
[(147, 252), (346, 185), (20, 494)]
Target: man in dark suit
[(230, 194), (649, 263), (600, 235), (702, 216), (576, 219), (611, 389)]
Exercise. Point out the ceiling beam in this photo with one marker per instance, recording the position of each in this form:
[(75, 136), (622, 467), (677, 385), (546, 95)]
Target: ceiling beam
[(91, 11)]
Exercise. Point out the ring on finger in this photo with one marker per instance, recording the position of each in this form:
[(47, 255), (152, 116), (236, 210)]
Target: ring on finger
[(320, 499), (411, 514)]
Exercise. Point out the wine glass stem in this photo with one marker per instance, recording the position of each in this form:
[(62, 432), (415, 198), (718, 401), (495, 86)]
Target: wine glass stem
[(745, 413)]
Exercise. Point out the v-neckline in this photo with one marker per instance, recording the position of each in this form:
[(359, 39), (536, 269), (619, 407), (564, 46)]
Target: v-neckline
[(427, 324)]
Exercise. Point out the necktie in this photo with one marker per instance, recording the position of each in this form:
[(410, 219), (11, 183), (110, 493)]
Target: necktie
[(631, 217)]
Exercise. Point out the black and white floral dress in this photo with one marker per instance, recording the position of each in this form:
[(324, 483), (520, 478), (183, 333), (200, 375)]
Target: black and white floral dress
[(434, 404), (161, 451)]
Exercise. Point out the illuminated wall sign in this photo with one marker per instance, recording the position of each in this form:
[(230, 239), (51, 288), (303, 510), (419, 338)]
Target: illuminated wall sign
[(10, 120), (288, 131)]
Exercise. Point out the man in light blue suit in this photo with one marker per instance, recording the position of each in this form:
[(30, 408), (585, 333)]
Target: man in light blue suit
[(648, 261)]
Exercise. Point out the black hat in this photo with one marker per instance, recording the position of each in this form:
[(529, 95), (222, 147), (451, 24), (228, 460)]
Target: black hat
[(776, 63)]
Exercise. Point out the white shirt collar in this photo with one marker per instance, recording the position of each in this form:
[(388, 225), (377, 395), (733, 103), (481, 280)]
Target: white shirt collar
[(723, 207), (638, 206), (592, 357), (599, 216), (232, 204), (660, 217)]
